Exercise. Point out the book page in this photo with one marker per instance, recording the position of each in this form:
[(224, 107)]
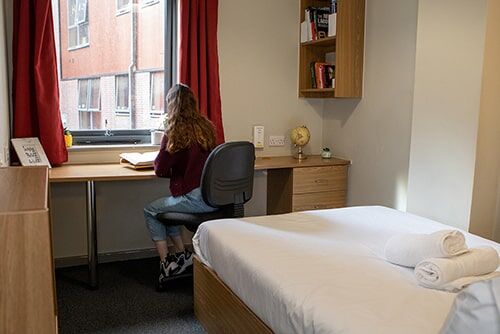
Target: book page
[(140, 159)]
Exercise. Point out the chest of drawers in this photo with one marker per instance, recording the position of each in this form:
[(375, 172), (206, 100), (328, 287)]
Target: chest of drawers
[(318, 184)]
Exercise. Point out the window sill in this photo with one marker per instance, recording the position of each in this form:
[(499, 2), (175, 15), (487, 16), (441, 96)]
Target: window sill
[(78, 47), (80, 148), (92, 154), (122, 11), (147, 4)]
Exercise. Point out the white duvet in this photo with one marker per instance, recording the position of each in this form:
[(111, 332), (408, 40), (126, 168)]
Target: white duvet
[(324, 271)]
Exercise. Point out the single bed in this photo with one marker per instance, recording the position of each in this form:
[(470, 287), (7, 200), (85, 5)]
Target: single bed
[(314, 272)]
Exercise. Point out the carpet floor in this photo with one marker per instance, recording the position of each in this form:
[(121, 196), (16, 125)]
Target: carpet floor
[(126, 301)]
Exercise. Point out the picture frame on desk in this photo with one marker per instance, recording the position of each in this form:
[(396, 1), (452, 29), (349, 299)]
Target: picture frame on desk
[(30, 152)]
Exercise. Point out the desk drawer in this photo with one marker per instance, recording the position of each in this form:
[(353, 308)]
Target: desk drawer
[(319, 179), (323, 200)]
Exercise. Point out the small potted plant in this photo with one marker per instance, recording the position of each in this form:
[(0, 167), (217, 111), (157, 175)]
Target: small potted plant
[(68, 137), (326, 153)]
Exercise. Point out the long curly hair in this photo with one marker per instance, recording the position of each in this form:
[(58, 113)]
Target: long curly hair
[(186, 126)]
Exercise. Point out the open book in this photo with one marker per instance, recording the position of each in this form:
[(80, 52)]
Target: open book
[(138, 160)]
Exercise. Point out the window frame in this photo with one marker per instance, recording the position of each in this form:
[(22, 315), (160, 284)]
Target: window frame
[(140, 136), (77, 24), (86, 14), (88, 98), (124, 9), (122, 111), (155, 113), (119, 137), (89, 94)]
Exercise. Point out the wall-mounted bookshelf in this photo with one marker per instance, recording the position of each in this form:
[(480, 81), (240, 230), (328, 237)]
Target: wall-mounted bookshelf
[(345, 50)]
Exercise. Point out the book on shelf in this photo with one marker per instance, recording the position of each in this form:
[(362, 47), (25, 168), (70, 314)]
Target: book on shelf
[(138, 160), (322, 75), (332, 19), (310, 23), (318, 76), (332, 25), (321, 22), (317, 23), (304, 32), (329, 76), (333, 6), (313, 75)]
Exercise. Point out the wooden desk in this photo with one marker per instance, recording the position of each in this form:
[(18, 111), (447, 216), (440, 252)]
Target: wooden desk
[(288, 162), (89, 174), (117, 172), (27, 289), (292, 185), (97, 172)]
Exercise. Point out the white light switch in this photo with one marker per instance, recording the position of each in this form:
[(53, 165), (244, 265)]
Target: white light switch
[(258, 136)]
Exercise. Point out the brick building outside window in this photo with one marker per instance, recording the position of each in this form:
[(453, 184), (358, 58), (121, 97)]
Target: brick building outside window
[(111, 63)]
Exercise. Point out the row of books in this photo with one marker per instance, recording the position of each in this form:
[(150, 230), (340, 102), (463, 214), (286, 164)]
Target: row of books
[(320, 22), (322, 75), (333, 6)]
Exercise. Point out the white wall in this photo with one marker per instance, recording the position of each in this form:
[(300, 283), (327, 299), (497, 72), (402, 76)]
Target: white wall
[(258, 47), (374, 132), (4, 89), (449, 59), (258, 69), (485, 213)]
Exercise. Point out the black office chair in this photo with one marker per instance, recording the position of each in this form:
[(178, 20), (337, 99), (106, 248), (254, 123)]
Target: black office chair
[(226, 184)]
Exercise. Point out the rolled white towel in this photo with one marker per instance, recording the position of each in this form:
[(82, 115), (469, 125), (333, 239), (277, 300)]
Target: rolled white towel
[(454, 273), (409, 249)]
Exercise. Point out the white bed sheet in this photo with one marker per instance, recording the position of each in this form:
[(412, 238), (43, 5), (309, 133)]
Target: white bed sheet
[(324, 271)]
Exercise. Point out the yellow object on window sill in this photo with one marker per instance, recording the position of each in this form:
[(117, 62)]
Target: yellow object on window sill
[(68, 139)]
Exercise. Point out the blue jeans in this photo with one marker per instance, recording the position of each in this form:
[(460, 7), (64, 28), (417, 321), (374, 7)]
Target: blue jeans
[(191, 202)]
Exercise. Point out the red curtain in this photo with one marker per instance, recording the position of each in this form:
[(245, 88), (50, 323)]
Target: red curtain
[(35, 82), (199, 59)]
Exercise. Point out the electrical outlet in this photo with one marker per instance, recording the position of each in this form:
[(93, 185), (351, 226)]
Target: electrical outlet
[(258, 136), (276, 140)]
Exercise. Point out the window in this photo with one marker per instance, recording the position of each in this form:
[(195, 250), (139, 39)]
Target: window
[(78, 23), (157, 94), (89, 94), (121, 93), (89, 104), (124, 100), (122, 6)]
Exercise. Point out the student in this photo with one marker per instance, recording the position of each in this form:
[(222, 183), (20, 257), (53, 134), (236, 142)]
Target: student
[(189, 138)]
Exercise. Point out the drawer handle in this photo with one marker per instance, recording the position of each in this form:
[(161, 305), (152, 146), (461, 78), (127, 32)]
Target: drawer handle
[(317, 206), (320, 181)]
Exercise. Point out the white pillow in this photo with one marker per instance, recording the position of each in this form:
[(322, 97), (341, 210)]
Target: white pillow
[(475, 310)]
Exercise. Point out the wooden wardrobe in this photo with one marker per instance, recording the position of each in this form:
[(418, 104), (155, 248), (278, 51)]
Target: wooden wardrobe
[(27, 288)]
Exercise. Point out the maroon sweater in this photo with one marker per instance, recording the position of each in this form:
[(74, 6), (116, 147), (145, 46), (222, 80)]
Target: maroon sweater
[(183, 168)]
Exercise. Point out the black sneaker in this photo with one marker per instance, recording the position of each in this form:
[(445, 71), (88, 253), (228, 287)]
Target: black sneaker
[(165, 271), (174, 265), (184, 261)]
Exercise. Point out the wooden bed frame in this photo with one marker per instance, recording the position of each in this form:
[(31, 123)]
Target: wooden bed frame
[(217, 307)]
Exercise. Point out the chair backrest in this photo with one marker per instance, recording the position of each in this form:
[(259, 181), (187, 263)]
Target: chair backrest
[(227, 177)]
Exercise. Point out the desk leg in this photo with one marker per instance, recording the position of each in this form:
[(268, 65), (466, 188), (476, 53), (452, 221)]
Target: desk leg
[(92, 234)]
